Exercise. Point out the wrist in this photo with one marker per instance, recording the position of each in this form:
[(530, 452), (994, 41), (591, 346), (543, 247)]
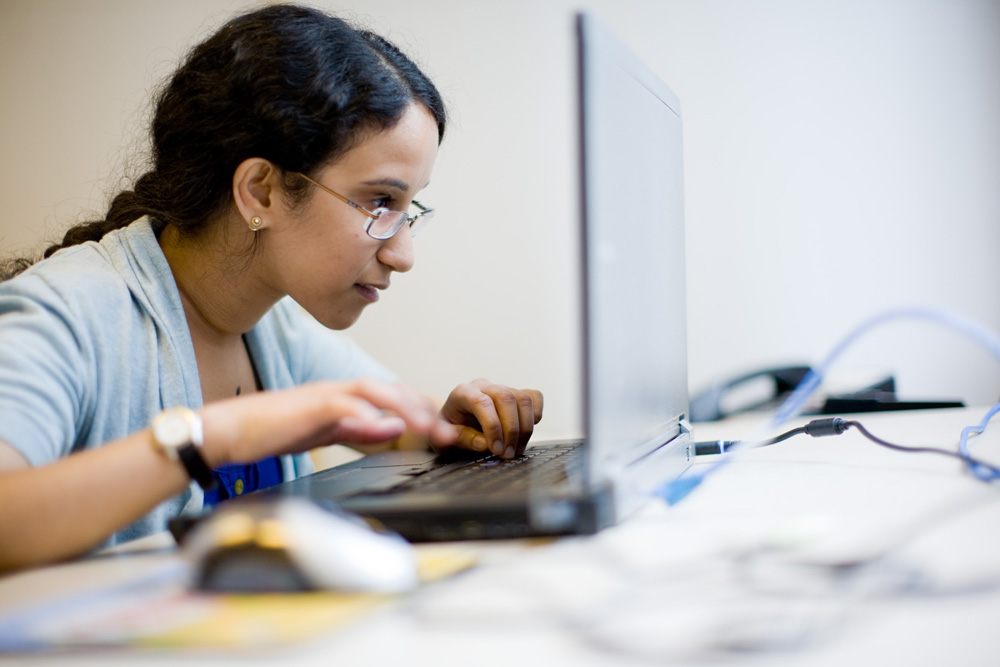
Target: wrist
[(220, 429), (178, 434)]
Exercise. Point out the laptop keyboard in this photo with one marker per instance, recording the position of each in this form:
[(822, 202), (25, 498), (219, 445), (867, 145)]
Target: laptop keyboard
[(545, 467)]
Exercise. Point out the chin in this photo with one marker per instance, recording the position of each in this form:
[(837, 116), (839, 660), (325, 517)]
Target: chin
[(337, 321)]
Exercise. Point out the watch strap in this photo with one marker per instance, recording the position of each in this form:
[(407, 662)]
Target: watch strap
[(196, 467), (178, 432)]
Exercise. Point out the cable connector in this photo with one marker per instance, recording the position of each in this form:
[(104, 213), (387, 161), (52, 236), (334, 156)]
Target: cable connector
[(819, 428)]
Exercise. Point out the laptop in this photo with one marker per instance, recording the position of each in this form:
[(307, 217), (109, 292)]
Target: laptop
[(634, 343)]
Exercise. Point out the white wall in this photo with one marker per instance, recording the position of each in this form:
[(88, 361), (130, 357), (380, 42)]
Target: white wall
[(842, 157)]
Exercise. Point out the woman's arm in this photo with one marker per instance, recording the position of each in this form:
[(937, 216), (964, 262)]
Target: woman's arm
[(65, 508)]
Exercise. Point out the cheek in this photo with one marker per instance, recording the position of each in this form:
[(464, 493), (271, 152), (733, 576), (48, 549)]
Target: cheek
[(329, 269), (332, 263), (325, 241)]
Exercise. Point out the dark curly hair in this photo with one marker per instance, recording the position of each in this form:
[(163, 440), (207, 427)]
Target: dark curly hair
[(287, 83)]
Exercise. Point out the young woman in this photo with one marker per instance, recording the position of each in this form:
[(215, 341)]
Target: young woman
[(186, 336)]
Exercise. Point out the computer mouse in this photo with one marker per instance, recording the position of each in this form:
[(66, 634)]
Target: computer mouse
[(286, 543)]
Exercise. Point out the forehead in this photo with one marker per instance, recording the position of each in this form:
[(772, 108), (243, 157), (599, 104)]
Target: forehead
[(401, 157)]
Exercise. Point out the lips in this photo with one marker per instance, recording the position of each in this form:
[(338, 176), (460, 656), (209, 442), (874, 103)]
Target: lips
[(370, 292)]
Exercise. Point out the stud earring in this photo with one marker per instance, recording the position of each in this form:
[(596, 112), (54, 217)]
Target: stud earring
[(255, 223)]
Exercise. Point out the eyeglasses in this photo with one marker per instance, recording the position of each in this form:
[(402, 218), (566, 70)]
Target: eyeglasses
[(383, 223)]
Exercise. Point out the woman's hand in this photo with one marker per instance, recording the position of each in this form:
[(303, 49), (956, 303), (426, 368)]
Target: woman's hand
[(249, 428), (493, 417)]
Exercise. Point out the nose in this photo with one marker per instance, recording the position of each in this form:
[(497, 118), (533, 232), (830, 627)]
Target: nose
[(397, 252)]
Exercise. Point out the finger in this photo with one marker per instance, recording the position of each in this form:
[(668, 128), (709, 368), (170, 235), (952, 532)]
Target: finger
[(362, 431), (470, 438), (249, 428), (537, 403), (355, 431), (446, 434), (416, 410), (505, 402), (482, 407), (526, 420)]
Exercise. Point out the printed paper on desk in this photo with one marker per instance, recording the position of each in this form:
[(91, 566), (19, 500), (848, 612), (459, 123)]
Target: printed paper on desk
[(159, 612)]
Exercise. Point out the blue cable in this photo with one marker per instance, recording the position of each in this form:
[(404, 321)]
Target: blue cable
[(676, 490), (793, 404), (984, 472)]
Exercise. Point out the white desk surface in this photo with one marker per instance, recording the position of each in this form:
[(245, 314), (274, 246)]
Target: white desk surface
[(810, 552)]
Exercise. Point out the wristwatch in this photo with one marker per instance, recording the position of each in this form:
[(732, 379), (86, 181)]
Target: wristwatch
[(178, 433)]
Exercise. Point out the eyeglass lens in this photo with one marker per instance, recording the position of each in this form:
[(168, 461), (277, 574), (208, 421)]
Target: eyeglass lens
[(389, 222)]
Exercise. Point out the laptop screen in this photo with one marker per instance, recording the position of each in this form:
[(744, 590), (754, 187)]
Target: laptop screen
[(632, 191)]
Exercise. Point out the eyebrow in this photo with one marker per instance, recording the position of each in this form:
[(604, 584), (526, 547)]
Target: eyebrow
[(391, 182), (394, 183)]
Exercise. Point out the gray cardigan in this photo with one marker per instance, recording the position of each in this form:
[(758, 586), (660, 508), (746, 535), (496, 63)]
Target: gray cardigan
[(94, 343)]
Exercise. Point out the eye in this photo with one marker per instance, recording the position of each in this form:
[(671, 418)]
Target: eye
[(381, 202)]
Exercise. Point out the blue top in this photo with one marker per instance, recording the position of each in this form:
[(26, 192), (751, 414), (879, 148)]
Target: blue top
[(94, 343), (235, 480)]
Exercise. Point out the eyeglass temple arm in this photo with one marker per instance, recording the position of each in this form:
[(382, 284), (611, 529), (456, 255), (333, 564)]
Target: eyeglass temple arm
[(423, 209), (340, 197)]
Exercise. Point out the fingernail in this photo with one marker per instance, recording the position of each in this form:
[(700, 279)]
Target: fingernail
[(479, 443), (509, 453), (497, 447)]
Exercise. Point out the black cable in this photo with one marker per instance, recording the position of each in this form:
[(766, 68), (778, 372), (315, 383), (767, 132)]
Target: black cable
[(818, 428), (902, 448), (785, 436), (720, 446)]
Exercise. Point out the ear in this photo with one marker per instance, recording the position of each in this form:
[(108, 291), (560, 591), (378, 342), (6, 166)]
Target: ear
[(255, 188)]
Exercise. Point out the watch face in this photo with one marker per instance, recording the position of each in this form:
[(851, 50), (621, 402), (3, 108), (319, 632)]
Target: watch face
[(173, 430), (177, 432)]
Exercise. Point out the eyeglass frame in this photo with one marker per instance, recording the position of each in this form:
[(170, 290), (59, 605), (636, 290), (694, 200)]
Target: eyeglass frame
[(373, 216)]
